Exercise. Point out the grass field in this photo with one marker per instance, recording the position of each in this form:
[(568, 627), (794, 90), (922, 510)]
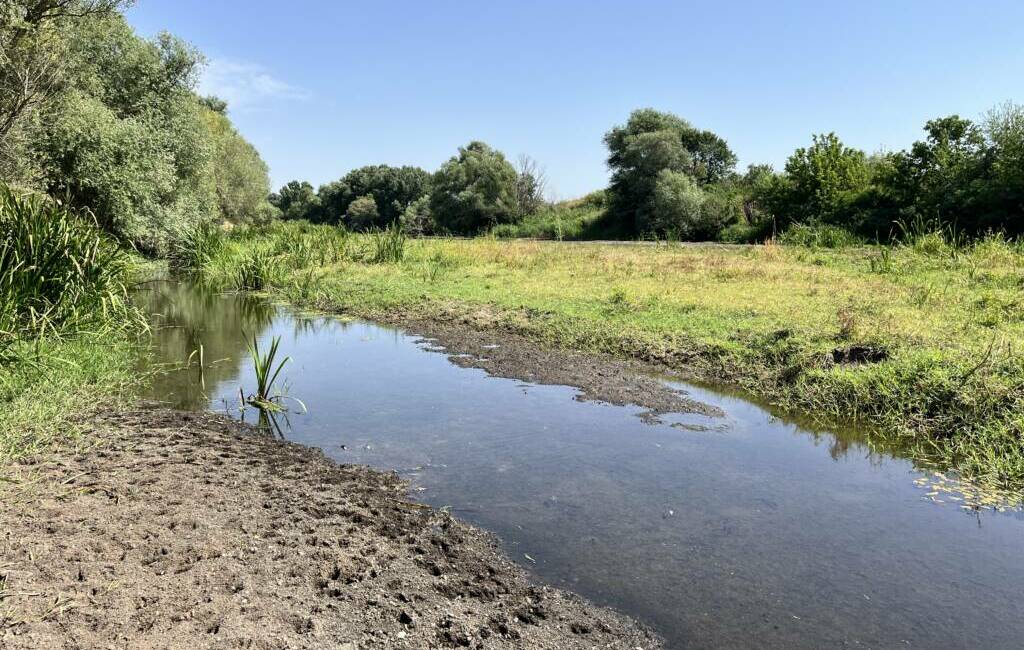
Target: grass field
[(920, 341)]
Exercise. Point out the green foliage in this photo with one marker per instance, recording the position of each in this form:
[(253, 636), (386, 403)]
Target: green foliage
[(193, 247), (650, 143), (266, 372), (821, 183), (675, 206), (582, 218), (127, 138), (416, 219), (59, 275), (473, 191), (297, 200), (963, 179), (121, 131), (241, 177), (362, 213), (257, 270), (819, 236), (393, 189), (388, 245)]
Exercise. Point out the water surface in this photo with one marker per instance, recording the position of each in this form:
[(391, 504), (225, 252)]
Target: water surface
[(755, 532)]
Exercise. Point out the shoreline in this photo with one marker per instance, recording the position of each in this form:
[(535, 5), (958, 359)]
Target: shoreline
[(191, 530)]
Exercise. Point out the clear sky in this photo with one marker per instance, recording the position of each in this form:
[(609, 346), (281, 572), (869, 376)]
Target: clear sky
[(322, 86)]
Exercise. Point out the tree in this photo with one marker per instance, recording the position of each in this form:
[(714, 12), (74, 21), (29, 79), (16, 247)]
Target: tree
[(675, 206), (126, 136), (531, 184), (822, 183), (241, 177), (417, 220), (392, 188), (474, 191), (297, 200), (33, 63), (1004, 128), (651, 142), (362, 213)]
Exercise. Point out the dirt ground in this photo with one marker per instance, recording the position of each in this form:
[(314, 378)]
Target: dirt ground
[(186, 530)]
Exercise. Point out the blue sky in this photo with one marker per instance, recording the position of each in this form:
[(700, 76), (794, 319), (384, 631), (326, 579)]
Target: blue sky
[(321, 87)]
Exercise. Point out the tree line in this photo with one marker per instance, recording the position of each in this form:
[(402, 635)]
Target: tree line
[(672, 179), (107, 121), (472, 192)]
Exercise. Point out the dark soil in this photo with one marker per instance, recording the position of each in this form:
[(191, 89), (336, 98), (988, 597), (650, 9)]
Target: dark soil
[(186, 530), (598, 376)]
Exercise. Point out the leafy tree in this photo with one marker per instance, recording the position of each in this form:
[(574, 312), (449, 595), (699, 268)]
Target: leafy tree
[(362, 213), (126, 137), (675, 205), (473, 191), (417, 220), (392, 188), (241, 178), (34, 63), (652, 142), (1004, 128), (297, 200), (821, 184), (938, 178)]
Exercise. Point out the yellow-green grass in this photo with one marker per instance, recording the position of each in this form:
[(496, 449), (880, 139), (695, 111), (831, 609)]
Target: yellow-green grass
[(49, 390), (927, 336)]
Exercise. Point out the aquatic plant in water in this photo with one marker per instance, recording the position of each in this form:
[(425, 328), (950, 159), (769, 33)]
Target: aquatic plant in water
[(267, 370)]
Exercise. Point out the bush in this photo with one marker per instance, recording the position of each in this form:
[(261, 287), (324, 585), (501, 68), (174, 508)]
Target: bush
[(819, 236), (416, 219), (362, 213)]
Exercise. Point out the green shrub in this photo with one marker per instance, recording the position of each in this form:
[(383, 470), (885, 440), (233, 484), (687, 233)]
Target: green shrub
[(819, 236)]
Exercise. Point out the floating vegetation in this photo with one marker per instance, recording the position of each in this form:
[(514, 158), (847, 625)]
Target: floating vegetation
[(948, 488)]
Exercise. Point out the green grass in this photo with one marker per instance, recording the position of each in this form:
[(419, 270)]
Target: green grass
[(47, 398), (920, 342), (66, 322)]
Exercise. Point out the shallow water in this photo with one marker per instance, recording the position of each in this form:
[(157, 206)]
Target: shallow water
[(753, 533)]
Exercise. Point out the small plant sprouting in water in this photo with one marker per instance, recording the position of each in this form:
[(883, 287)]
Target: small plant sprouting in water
[(267, 370)]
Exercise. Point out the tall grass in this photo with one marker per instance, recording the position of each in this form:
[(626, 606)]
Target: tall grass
[(193, 248), (819, 236), (59, 274), (258, 270), (388, 245)]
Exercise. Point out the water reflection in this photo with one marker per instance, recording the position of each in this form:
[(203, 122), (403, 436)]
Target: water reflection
[(199, 332)]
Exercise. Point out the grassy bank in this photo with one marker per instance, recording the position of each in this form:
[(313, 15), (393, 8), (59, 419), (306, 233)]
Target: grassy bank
[(920, 340), (67, 328)]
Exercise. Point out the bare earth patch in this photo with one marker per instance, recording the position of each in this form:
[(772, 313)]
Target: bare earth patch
[(188, 530)]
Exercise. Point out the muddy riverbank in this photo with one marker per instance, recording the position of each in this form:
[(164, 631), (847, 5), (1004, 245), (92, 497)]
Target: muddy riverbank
[(188, 530)]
